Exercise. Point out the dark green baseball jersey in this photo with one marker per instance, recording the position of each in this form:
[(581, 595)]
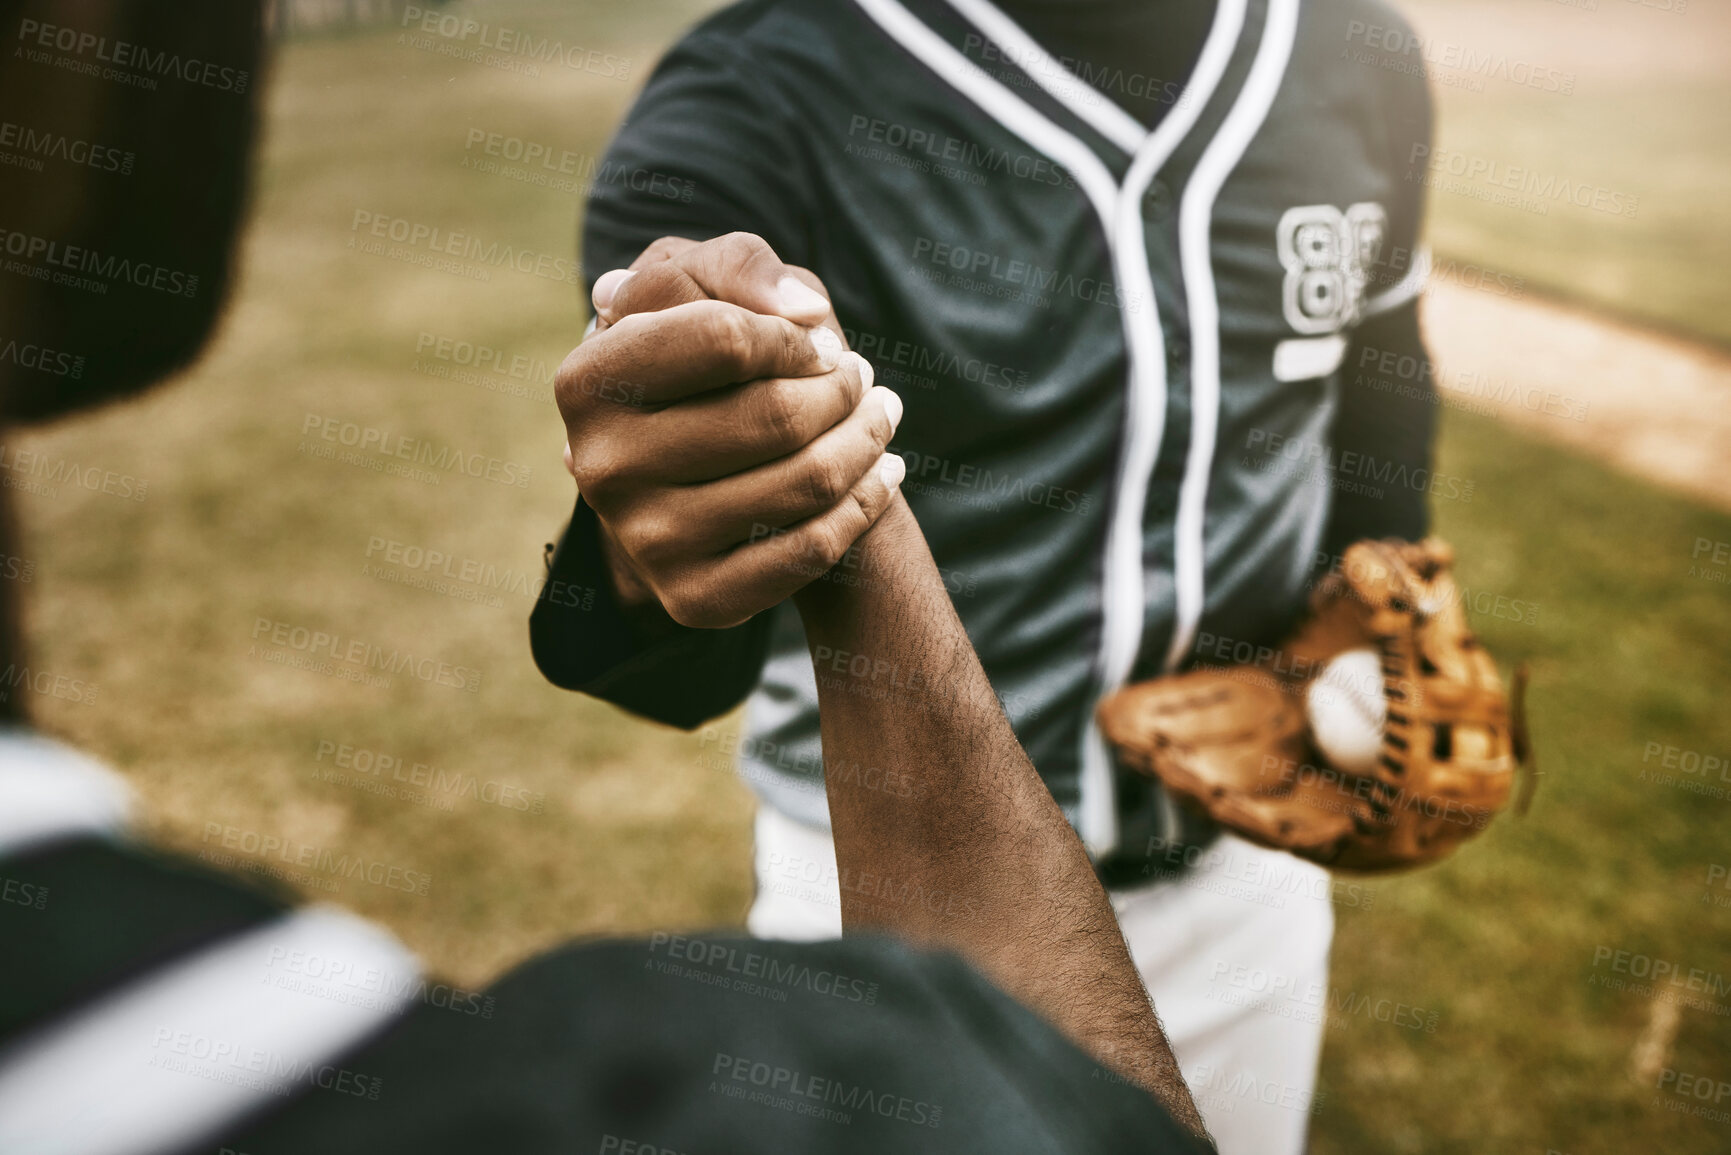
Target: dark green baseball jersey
[(1126, 352)]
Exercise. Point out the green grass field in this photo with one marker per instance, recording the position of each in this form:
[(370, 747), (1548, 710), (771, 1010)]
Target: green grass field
[(629, 827)]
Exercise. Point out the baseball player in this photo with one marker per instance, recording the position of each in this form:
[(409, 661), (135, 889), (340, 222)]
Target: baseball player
[(155, 1004), (1120, 264)]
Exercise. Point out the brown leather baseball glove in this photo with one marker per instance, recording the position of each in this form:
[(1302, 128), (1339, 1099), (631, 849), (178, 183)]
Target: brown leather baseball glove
[(1234, 741)]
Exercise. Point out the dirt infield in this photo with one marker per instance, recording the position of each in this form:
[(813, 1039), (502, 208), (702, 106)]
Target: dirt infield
[(1647, 403)]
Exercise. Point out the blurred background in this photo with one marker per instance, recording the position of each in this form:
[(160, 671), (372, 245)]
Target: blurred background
[(1581, 316)]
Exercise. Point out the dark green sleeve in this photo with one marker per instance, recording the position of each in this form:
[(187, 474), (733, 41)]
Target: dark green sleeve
[(583, 641), (1388, 401)]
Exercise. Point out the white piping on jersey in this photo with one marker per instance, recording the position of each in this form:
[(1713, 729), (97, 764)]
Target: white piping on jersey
[(49, 792), (1006, 107), (171, 1058), (1068, 89), (1406, 289), (1123, 594), (1195, 220)]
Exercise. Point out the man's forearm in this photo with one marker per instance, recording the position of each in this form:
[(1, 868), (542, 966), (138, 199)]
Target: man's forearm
[(970, 852)]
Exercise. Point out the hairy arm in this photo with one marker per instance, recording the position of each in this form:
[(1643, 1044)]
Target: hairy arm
[(976, 857)]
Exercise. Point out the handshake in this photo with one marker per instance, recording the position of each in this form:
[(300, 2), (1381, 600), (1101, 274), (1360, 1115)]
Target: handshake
[(733, 451), (730, 446)]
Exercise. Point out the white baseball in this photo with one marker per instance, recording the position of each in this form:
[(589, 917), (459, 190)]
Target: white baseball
[(1346, 710)]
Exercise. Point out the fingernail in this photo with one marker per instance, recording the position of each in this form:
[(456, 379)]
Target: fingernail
[(607, 287), (866, 373), (828, 347), (799, 297), (892, 404), (892, 469)]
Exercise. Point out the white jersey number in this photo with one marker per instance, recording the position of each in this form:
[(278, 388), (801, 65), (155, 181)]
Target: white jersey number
[(1328, 256)]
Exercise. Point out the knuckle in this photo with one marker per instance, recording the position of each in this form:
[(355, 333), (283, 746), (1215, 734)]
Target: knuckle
[(571, 391), (595, 468), (652, 537), (825, 479), (743, 246), (727, 333), (780, 403), (796, 346), (692, 603), (825, 542)]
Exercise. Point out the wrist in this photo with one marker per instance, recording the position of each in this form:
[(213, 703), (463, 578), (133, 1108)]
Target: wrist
[(885, 568)]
